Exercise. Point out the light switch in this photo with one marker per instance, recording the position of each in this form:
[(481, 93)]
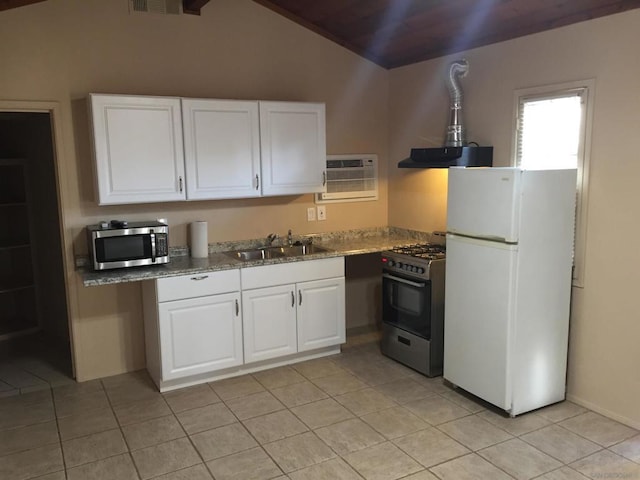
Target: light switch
[(311, 214), (322, 212)]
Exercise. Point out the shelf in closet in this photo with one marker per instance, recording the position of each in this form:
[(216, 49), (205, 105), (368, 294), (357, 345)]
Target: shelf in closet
[(15, 288), (18, 287)]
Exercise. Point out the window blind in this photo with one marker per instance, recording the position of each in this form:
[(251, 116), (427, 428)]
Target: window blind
[(549, 130)]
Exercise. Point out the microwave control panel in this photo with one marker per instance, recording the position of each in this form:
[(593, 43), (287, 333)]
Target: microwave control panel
[(162, 249)]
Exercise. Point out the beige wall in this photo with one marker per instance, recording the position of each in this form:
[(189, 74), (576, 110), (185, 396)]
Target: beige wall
[(605, 324), (61, 50)]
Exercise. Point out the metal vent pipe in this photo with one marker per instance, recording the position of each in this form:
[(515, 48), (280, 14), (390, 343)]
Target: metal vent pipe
[(455, 131)]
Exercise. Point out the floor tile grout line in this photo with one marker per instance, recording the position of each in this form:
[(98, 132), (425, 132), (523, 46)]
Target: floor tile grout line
[(246, 429), (359, 417), (329, 396), (511, 436), (57, 420), (124, 438), (477, 452), (606, 447), (602, 447)]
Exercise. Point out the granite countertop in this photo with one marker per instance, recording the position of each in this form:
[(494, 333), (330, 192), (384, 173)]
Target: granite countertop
[(351, 242)]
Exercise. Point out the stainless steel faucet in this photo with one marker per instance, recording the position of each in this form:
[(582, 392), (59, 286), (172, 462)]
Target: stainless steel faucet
[(272, 237), (289, 238)]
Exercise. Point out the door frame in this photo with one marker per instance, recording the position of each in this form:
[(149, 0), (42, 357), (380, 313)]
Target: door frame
[(56, 115)]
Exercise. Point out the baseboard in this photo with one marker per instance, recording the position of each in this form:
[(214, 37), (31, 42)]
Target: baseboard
[(603, 411), (362, 329)]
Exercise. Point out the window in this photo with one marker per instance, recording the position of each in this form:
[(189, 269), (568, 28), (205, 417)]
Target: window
[(553, 130)]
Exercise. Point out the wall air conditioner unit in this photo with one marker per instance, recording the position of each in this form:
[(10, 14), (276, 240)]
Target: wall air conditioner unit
[(156, 6), (350, 178)]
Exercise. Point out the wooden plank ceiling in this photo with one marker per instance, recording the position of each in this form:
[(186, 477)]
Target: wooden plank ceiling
[(393, 33), (192, 7)]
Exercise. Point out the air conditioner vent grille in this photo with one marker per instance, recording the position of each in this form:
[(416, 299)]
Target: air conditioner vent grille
[(350, 178), (156, 6)]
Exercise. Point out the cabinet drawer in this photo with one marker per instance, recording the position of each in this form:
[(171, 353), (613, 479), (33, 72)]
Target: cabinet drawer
[(294, 272), (198, 285)]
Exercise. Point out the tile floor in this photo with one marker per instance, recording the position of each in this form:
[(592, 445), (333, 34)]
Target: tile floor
[(351, 416), (32, 363)]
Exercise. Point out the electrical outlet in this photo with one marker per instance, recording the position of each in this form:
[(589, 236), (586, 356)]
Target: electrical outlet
[(311, 214), (322, 212)]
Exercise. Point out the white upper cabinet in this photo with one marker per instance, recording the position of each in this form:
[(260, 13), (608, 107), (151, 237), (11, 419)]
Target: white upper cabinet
[(222, 148), (293, 147), (232, 148), (138, 149)]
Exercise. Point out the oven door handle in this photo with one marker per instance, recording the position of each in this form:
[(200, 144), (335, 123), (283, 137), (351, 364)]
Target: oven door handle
[(402, 280)]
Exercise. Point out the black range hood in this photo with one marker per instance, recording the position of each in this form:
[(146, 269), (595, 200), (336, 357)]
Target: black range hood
[(445, 157)]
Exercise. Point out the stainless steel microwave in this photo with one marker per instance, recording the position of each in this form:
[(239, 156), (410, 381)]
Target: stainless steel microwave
[(119, 244)]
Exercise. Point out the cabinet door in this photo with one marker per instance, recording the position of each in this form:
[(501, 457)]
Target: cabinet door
[(269, 322), (293, 148), (222, 148), (200, 335), (138, 149), (321, 313)]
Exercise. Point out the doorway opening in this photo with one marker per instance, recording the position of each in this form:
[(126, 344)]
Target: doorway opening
[(35, 347)]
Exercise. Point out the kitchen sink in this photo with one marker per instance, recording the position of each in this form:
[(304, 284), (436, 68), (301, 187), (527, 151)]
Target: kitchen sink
[(257, 254), (267, 253), (297, 250)]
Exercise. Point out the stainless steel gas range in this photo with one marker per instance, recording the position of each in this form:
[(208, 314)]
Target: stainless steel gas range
[(413, 305)]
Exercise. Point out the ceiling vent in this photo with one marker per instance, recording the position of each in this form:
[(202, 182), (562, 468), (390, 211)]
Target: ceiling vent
[(156, 6)]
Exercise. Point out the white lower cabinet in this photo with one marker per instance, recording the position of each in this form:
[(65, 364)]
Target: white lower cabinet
[(193, 324), (269, 323), (295, 317), (219, 324), (200, 335), (321, 313)]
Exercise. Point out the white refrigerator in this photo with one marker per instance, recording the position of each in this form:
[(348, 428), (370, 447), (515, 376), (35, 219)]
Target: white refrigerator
[(508, 284)]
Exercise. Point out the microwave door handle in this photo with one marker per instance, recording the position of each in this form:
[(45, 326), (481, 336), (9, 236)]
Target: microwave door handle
[(153, 247), (402, 280)]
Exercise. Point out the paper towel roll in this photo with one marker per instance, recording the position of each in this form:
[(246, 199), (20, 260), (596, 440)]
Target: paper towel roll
[(199, 241)]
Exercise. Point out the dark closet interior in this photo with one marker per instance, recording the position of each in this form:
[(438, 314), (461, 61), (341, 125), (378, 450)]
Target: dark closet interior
[(34, 331)]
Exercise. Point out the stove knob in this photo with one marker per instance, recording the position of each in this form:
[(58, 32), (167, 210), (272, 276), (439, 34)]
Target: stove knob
[(391, 263), (421, 270), (399, 265)]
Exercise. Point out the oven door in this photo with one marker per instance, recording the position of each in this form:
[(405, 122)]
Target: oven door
[(406, 303)]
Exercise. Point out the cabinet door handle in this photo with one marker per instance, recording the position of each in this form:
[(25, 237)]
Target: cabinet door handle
[(180, 180), (293, 299), (324, 179), (257, 182), (237, 307), (299, 297), (201, 277)]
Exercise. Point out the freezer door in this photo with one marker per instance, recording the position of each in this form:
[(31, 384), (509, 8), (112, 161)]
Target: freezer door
[(479, 297), (484, 202)]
